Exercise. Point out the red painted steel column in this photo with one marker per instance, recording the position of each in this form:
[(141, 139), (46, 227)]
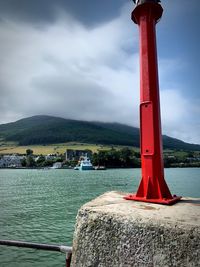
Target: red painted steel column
[(153, 187)]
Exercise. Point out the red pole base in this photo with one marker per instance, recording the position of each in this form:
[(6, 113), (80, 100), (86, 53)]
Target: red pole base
[(163, 201)]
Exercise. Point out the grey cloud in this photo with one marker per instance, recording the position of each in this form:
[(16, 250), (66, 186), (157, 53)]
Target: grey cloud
[(69, 70), (61, 69), (44, 11), (72, 98), (60, 96)]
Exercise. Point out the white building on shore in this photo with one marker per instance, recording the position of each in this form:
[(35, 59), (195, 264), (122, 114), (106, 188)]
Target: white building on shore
[(10, 161)]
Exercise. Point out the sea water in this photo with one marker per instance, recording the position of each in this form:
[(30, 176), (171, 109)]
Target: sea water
[(41, 205)]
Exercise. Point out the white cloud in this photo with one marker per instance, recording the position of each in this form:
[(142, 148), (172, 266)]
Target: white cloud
[(69, 70)]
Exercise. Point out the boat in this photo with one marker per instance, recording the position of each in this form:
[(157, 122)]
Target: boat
[(100, 168), (57, 165), (84, 164), (77, 167)]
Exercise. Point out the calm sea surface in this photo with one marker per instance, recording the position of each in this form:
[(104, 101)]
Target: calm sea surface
[(41, 205)]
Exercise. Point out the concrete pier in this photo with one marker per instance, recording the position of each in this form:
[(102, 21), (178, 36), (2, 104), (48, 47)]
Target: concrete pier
[(113, 232)]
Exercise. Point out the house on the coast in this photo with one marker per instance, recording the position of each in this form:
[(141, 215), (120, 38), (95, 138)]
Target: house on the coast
[(10, 161), (75, 154)]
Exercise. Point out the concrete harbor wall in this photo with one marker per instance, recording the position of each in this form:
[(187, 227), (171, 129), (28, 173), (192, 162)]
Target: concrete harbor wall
[(113, 232)]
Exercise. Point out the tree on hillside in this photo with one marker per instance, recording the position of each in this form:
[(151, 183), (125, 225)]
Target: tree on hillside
[(116, 158), (29, 152), (30, 162)]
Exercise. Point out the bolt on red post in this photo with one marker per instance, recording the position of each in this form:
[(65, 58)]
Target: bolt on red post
[(153, 187)]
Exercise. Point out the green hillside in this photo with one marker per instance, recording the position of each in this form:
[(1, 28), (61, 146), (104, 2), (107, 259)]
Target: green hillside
[(51, 130)]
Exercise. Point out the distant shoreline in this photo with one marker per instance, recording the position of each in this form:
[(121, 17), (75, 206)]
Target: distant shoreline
[(107, 168)]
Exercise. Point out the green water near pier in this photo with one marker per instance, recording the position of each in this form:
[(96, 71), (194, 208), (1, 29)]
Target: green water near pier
[(41, 205)]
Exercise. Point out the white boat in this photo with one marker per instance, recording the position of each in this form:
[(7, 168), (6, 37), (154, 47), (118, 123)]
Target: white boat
[(84, 164), (57, 165), (77, 168), (100, 168)]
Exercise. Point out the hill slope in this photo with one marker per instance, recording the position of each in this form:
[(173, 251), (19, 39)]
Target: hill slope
[(48, 130)]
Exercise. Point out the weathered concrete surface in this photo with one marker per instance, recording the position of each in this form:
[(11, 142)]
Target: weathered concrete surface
[(112, 232)]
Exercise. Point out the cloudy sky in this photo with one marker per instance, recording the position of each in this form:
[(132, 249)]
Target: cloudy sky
[(79, 59)]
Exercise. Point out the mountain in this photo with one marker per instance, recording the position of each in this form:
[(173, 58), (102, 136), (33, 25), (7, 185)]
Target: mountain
[(48, 130)]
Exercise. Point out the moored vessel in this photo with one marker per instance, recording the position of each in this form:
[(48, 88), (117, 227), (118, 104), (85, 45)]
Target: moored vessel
[(84, 164)]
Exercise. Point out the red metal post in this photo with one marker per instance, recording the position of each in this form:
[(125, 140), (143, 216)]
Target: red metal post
[(153, 187)]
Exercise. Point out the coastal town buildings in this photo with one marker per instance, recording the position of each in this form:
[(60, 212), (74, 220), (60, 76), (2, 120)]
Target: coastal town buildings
[(74, 154), (51, 156), (11, 161)]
